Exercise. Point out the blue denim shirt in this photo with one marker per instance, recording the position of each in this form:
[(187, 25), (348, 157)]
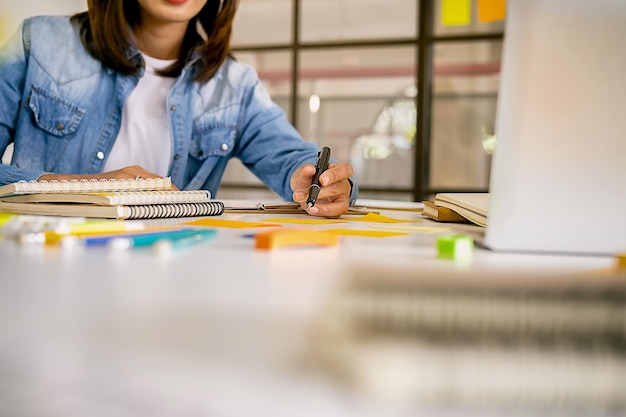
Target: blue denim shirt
[(62, 109)]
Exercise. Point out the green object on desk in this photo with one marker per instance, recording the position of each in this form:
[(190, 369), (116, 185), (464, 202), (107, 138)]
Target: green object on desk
[(4, 217), (455, 247)]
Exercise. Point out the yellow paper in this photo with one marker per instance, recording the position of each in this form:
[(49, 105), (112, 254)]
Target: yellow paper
[(491, 10), (303, 221), (421, 229), (236, 224), (4, 217), (365, 233), (377, 218), (455, 12)]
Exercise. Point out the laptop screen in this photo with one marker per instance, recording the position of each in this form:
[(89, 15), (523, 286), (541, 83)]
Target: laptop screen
[(558, 179)]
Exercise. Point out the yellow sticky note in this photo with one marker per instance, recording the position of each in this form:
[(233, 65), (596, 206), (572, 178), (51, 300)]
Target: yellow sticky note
[(491, 10), (455, 12), (302, 221), (365, 233), (420, 229), (209, 222), (378, 218)]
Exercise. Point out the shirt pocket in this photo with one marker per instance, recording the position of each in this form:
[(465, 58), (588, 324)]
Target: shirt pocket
[(212, 141), (53, 114)]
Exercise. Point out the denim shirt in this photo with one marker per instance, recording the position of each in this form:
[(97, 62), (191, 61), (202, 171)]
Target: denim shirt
[(62, 109)]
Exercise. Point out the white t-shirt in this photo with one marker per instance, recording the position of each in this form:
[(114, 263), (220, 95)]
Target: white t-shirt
[(145, 137)]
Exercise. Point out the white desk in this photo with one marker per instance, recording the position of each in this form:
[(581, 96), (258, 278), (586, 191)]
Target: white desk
[(220, 329)]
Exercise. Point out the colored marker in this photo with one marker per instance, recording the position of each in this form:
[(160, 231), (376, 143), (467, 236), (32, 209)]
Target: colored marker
[(148, 239)]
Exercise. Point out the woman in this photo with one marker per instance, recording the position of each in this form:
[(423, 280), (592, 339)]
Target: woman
[(147, 88)]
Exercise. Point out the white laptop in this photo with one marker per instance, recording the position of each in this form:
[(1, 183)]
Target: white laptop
[(558, 179)]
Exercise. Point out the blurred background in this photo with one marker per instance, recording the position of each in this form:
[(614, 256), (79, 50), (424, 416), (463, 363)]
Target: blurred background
[(408, 101)]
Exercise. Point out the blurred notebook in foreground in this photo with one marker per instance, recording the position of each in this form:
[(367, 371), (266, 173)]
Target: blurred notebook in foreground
[(535, 342), (111, 199), (471, 206)]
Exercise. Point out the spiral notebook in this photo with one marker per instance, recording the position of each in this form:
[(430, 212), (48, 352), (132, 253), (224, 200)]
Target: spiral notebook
[(130, 198), (85, 186), (120, 212), (144, 198)]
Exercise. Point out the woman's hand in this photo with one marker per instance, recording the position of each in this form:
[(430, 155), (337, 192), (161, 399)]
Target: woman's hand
[(334, 196), (130, 172)]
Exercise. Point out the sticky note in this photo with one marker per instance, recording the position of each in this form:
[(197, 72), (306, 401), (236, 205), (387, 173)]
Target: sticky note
[(491, 10), (377, 218), (287, 238), (365, 233), (302, 220), (455, 12), (237, 224), (419, 229), (455, 247)]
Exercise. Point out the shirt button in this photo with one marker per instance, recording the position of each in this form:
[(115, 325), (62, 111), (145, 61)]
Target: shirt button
[(100, 155), (177, 156), (224, 147), (60, 126), (173, 108)]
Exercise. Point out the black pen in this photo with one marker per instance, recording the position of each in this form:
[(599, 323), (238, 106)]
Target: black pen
[(321, 165)]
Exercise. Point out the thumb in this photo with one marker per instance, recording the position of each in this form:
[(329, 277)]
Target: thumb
[(302, 178)]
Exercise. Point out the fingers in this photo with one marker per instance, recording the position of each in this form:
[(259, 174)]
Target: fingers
[(334, 197), (336, 173), (332, 209)]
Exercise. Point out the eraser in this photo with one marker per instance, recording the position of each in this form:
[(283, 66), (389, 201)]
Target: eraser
[(455, 247), (283, 238)]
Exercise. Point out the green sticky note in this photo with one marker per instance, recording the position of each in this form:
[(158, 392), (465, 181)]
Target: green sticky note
[(456, 12), (455, 247)]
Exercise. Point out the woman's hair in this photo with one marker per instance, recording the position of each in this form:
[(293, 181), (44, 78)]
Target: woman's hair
[(106, 33)]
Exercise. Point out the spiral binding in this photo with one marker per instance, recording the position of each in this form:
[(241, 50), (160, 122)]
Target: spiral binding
[(160, 197), (155, 211), (93, 185)]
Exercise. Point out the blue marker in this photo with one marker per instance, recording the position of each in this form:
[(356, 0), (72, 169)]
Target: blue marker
[(137, 240)]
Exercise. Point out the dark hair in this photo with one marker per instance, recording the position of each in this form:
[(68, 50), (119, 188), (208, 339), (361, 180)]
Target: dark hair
[(106, 33)]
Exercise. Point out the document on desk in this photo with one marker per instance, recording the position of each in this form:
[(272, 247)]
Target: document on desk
[(235, 206), (378, 218)]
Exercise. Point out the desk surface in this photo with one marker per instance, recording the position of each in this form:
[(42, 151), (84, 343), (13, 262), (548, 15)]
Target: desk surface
[(217, 329)]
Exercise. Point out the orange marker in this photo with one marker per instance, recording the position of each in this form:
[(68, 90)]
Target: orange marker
[(283, 238)]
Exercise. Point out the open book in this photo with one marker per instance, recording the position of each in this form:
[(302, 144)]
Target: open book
[(472, 206), (441, 214)]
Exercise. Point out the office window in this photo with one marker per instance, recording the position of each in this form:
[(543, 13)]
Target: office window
[(263, 22), (464, 95), (337, 20), (354, 71), (361, 103)]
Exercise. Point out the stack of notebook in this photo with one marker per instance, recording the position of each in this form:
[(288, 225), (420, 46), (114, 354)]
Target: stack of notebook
[(142, 198), (458, 207), (540, 342)]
